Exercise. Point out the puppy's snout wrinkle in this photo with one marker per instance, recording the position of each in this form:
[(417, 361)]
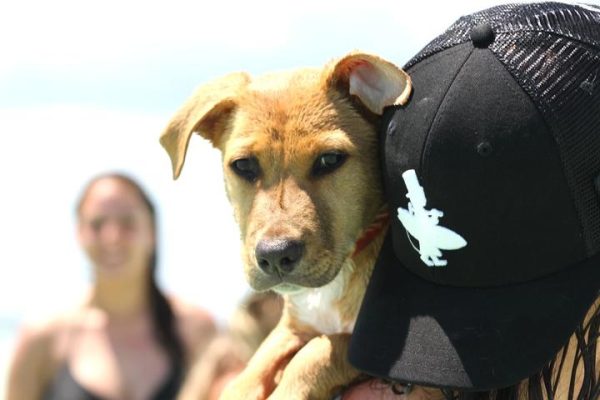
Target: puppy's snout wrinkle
[(279, 256)]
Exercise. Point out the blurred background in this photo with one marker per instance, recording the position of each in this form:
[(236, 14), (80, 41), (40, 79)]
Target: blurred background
[(86, 87)]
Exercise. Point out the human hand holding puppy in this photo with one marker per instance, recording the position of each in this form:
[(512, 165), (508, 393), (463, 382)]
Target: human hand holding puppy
[(301, 168)]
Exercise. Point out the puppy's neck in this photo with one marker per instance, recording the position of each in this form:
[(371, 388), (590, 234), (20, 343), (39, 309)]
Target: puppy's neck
[(373, 231), (318, 307), (333, 308)]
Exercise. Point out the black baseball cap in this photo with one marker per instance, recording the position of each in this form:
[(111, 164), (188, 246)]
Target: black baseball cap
[(492, 174)]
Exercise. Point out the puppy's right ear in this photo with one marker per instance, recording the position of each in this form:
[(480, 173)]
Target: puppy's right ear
[(376, 82), (206, 112)]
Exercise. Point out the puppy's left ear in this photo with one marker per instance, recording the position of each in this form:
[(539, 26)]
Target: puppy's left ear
[(205, 112), (376, 82)]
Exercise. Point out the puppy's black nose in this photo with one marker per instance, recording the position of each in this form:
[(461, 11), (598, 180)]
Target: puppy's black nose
[(279, 256)]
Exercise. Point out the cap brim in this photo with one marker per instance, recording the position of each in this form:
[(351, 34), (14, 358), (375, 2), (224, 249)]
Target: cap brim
[(412, 330)]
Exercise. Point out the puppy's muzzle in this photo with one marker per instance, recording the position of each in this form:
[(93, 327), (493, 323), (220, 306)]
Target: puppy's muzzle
[(279, 257)]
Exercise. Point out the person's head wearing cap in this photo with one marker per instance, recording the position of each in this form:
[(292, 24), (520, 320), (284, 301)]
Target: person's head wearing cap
[(492, 174)]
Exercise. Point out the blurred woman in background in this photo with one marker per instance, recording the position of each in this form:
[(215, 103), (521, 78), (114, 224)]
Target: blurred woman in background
[(127, 340)]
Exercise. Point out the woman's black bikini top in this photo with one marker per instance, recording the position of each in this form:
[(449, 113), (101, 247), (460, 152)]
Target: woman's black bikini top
[(65, 387)]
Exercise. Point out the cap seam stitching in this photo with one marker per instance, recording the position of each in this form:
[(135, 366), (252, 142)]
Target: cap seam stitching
[(454, 48), (427, 144)]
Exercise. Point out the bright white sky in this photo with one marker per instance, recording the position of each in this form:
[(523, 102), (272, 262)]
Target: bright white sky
[(86, 87)]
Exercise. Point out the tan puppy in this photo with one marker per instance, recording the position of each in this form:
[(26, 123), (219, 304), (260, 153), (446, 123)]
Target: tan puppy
[(300, 159)]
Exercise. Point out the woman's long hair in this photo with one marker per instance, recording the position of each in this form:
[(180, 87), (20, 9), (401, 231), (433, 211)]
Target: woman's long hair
[(161, 311), (573, 371)]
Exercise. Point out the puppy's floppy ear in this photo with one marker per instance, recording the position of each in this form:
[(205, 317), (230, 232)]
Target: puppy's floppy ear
[(206, 113), (376, 82)]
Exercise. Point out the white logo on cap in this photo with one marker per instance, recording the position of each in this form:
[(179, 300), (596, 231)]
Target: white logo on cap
[(423, 225)]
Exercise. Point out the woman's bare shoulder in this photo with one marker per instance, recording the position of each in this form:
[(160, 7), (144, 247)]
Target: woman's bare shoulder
[(44, 331)]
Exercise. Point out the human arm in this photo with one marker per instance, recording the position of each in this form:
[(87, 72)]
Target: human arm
[(30, 368)]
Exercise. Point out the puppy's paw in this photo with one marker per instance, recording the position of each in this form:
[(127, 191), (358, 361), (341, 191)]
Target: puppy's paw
[(240, 390), (294, 393)]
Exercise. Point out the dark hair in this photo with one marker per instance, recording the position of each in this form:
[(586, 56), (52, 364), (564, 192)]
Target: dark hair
[(543, 385), (161, 311)]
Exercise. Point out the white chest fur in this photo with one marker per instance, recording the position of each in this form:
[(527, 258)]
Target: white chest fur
[(318, 307)]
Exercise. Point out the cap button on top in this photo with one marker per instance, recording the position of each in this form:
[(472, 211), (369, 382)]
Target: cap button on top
[(482, 35)]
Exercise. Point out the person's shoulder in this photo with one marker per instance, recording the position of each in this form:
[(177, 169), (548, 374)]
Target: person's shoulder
[(36, 342), (42, 330)]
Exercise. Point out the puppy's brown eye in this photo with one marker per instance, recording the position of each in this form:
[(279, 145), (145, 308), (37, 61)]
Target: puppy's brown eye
[(328, 162), (247, 168)]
